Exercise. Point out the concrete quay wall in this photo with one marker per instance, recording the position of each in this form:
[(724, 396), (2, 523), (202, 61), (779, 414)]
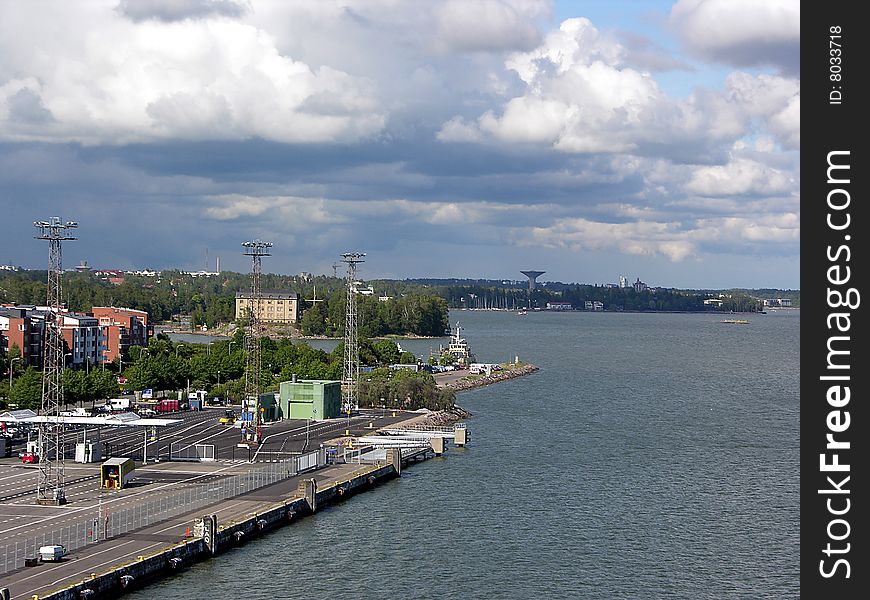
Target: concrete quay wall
[(137, 573)]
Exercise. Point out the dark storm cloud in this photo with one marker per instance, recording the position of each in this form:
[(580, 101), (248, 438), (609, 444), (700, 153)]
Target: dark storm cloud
[(366, 125)]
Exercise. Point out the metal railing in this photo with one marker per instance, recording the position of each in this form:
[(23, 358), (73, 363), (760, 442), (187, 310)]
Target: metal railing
[(193, 452), (194, 496)]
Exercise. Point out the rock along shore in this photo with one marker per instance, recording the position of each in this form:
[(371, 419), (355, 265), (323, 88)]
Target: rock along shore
[(441, 418), (472, 381)]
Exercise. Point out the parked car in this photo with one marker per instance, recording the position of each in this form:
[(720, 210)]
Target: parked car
[(29, 457)]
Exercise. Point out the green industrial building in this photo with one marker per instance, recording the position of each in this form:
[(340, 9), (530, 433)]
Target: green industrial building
[(269, 407), (310, 399)]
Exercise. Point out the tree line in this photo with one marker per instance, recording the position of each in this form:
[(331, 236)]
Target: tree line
[(210, 301), (219, 368)]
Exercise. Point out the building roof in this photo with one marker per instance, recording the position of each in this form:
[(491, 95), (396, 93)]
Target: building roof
[(270, 295), (120, 310)]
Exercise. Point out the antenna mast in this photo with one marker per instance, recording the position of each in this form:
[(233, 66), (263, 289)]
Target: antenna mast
[(50, 487), (350, 376), (256, 249)]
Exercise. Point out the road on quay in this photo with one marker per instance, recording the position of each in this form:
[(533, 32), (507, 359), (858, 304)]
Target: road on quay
[(22, 519), (282, 439), (102, 556)]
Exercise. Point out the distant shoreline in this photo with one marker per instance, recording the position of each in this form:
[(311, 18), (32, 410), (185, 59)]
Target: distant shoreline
[(169, 329)]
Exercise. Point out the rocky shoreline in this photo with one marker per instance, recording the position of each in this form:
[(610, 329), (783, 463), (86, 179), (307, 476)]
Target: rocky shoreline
[(470, 382), (438, 418)]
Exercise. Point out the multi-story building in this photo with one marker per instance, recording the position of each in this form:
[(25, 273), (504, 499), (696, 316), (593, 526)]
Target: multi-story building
[(560, 306), (21, 328), (94, 338), (275, 307), (84, 339), (122, 328)]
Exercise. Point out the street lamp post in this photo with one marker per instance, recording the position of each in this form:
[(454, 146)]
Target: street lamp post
[(308, 426), (176, 349)]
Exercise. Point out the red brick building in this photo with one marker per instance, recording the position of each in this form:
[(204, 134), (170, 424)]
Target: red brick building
[(122, 328), (20, 327)]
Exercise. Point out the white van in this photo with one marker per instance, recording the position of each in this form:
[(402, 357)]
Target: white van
[(119, 404), (52, 553)]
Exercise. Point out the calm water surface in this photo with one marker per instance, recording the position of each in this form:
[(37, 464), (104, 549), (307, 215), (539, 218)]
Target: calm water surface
[(653, 456)]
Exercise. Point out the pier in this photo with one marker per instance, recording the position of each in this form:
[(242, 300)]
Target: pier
[(184, 512)]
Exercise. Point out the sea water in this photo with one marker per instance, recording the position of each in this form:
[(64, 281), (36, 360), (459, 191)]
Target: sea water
[(652, 456)]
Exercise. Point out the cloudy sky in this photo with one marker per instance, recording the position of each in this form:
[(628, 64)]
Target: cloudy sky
[(454, 138)]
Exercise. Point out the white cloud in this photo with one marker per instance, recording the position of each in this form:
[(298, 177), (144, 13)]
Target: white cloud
[(769, 229), (118, 81), (786, 124), (487, 25), (636, 238), (578, 96), (296, 213), (742, 32), (739, 177), (581, 97)]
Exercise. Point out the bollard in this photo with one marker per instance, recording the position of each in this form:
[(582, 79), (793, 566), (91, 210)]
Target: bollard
[(347, 432)]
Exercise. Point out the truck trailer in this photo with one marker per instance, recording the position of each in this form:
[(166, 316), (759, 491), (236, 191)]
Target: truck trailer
[(116, 473)]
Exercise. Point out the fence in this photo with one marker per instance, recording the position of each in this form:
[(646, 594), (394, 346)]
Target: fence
[(195, 452), (114, 523)]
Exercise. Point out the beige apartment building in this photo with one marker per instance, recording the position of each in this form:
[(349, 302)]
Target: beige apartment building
[(275, 307)]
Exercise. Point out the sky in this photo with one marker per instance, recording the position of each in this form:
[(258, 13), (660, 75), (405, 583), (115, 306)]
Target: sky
[(456, 138)]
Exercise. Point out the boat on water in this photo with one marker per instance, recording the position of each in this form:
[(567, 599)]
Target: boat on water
[(522, 312), (735, 321), (459, 348)]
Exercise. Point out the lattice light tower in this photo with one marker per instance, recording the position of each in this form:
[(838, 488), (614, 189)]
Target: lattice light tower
[(350, 374), (50, 487), (256, 249)]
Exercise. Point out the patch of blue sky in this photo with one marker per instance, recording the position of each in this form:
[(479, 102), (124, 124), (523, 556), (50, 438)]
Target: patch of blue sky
[(647, 19)]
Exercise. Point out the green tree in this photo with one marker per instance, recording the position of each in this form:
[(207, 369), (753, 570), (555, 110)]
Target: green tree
[(103, 384), (386, 351), (404, 389), (27, 390), (76, 386)]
